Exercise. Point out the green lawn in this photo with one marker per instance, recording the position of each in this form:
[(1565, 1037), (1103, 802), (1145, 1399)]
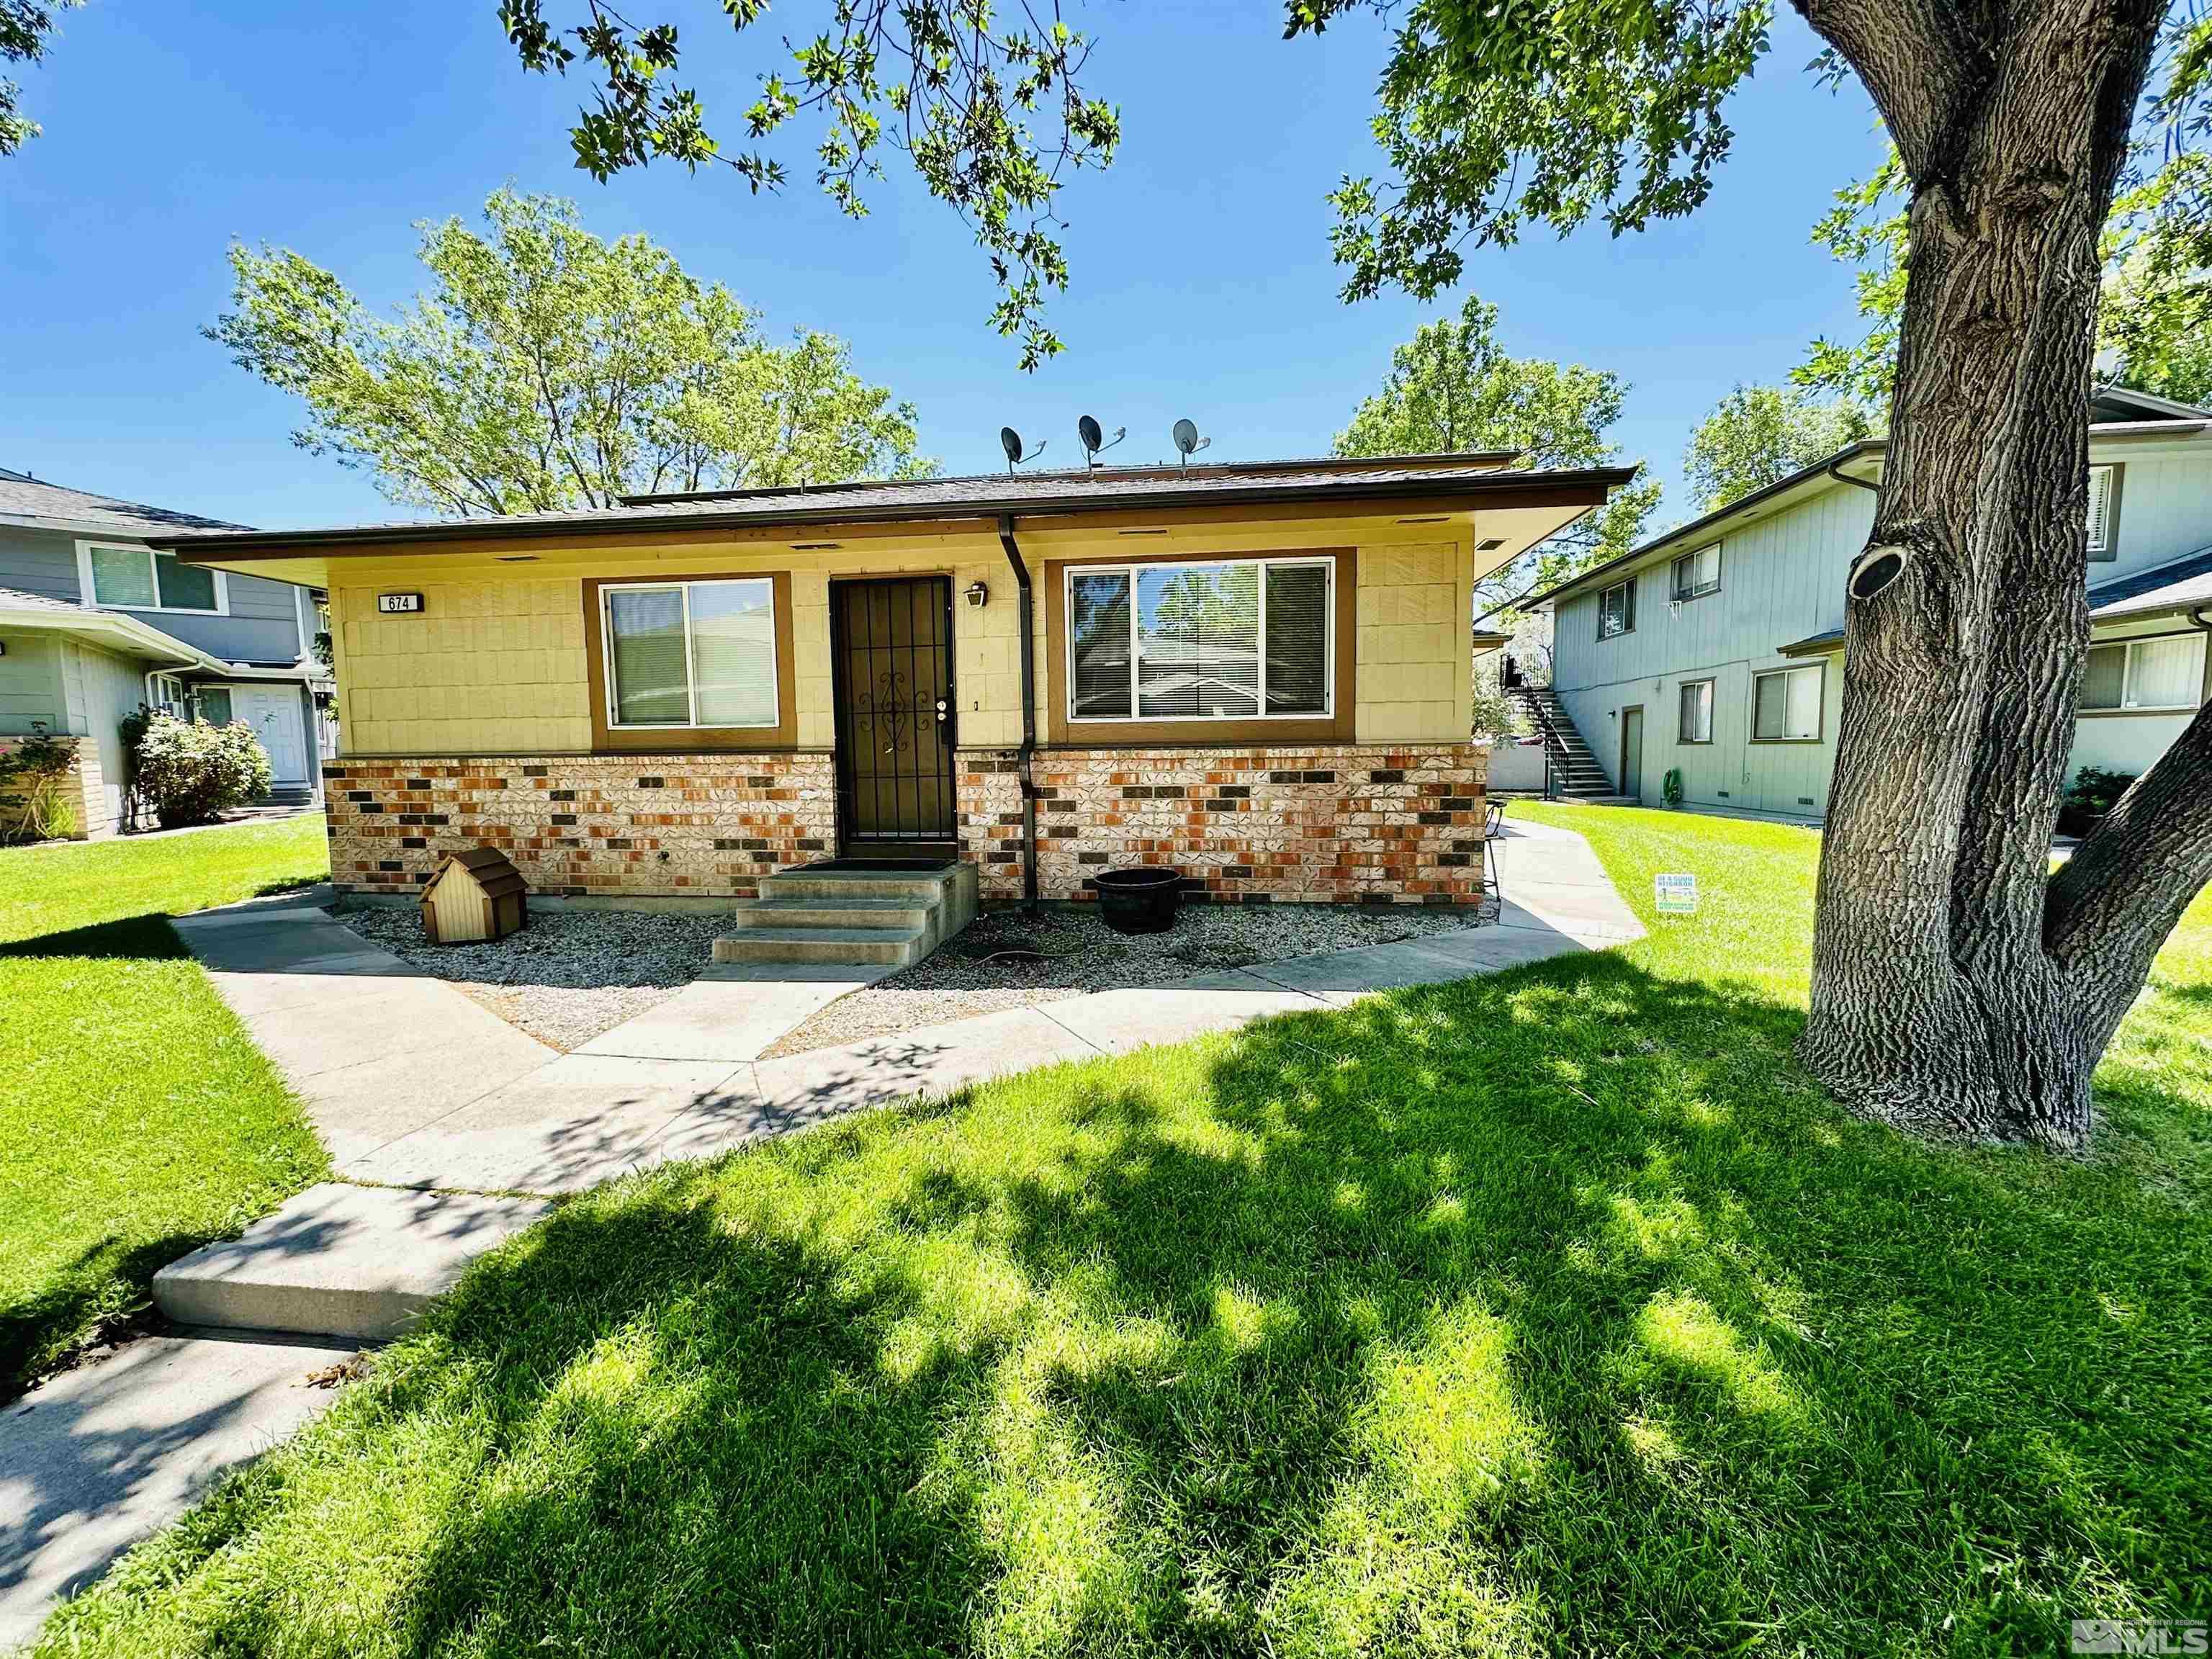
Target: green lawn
[(1553, 1313), (139, 1120)]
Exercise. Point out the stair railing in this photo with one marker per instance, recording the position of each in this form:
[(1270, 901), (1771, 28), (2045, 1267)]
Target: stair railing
[(1532, 700)]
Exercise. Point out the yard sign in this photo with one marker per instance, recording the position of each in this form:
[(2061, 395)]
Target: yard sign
[(1675, 896)]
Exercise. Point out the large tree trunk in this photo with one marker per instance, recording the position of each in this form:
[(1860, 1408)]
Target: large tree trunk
[(1954, 989)]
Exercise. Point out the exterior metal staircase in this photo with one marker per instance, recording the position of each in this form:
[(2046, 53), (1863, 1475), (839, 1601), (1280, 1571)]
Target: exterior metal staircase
[(1573, 769)]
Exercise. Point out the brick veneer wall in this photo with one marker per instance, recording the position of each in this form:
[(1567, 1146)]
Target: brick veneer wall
[(1329, 823), (626, 824)]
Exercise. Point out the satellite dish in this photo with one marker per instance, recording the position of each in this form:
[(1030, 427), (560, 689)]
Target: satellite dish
[(1093, 437), (1188, 440), (1011, 441)]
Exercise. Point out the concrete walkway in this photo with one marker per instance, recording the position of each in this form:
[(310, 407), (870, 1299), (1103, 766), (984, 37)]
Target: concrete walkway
[(449, 1130)]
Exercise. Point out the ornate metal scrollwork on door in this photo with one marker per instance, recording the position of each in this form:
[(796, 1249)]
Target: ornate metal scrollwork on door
[(889, 712)]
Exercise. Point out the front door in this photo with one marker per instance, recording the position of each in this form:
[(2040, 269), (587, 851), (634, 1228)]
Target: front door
[(891, 659), (273, 712), (1632, 752)]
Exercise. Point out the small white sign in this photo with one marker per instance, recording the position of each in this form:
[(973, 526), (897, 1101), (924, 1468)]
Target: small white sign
[(397, 605), (1675, 896)]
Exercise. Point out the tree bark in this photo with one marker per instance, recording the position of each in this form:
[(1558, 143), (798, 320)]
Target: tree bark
[(1938, 1003)]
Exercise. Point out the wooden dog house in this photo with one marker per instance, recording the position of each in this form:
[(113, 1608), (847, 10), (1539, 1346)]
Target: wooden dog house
[(476, 895)]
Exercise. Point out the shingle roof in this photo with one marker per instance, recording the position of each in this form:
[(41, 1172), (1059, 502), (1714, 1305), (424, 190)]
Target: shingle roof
[(2180, 584), (986, 496), (14, 598), (22, 496)]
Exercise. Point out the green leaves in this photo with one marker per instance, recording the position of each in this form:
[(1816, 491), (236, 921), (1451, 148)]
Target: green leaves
[(24, 27), (1758, 435), (547, 369), (1554, 111), (930, 77), (1451, 389)]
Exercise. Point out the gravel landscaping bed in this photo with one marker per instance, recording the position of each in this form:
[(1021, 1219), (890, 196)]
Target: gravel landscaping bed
[(569, 975), (1079, 953)]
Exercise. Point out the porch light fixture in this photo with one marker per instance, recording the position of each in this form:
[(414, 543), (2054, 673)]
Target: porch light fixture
[(978, 596)]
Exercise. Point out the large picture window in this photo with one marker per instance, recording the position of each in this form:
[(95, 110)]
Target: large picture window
[(1216, 640), (123, 575), (2144, 674), (683, 655), (1785, 705)]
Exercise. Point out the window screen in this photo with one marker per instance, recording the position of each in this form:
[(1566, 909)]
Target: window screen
[(1696, 712), (1786, 706), (214, 705), (1231, 640), (2105, 678), (2165, 673), (123, 575), (697, 653)]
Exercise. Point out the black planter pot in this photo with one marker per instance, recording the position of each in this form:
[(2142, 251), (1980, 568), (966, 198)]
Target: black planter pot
[(1139, 900)]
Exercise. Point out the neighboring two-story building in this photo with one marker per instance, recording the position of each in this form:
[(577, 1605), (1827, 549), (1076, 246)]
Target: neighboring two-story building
[(94, 621), (1717, 647)]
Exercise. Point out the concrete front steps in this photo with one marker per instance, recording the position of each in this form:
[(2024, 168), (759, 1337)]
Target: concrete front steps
[(873, 918)]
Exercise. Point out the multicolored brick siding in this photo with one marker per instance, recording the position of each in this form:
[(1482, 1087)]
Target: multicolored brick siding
[(628, 825), (1328, 824), (1332, 823)]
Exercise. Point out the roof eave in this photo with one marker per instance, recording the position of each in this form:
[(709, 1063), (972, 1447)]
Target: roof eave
[(1586, 487)]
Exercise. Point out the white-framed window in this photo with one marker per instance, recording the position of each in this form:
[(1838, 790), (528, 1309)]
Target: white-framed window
[(1696, 712), (1616, 609), (1785, 704), (2166, 673), (1202, 640), (1697, 574), (166, 694), (2104, 513), (130, 576), (690, 654)]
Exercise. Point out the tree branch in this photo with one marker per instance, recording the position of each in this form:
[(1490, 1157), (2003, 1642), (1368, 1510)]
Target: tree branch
[(1923, 63), (2112, 906)]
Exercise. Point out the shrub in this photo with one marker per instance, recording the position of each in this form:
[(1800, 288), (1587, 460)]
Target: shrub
[(31, 775), (2095, 790), (189, 773)]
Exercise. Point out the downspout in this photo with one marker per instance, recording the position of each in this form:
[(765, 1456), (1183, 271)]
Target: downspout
[(1833, 470), (1029, 709)]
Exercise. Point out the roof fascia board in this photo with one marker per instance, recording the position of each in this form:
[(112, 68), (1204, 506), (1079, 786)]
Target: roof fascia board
[(1584, 488), (107, 624)]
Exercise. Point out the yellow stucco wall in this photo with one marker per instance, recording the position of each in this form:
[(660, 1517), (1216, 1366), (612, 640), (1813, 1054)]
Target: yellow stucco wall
[(495, 663)]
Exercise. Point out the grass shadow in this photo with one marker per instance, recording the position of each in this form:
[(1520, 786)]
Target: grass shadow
[(1555, 1311), (135, 939)]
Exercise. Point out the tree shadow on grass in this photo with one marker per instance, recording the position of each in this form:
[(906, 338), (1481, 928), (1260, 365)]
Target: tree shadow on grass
[(1555, 1311), (135, 939), (103, 1282)]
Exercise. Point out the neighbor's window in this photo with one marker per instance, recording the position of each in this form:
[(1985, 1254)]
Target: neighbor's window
[(1696, 712), (1616, 609), (167, 693), (140, 579), (1697, 574), (1225, 639), (2104, 507), (690, 654), (1785, 705), (2145, 674), (214, 705)]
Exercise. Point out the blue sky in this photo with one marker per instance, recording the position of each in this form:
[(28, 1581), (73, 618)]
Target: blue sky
[(1202, 283)]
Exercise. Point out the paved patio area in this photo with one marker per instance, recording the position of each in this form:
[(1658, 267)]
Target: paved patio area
[(450, 1130)]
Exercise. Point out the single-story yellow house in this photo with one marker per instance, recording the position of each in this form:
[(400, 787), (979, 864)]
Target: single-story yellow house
[(1259, 673)]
